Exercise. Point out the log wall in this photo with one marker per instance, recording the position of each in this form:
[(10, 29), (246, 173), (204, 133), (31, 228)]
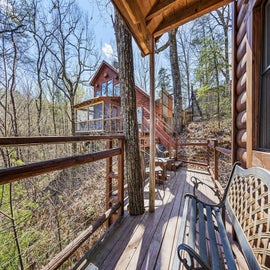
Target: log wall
[(246, 83), (240, 77)]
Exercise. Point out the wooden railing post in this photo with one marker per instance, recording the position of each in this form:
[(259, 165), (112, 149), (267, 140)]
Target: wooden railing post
[(176, 145), (215, 160), (108, 181), (121, 176), (208, 154)]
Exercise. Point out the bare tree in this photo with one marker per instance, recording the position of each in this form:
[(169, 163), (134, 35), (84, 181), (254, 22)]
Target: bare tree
[(223, 19), (72, 49), (176, 78), (142, 71), (184, 42), (129, 112), (40, 39)]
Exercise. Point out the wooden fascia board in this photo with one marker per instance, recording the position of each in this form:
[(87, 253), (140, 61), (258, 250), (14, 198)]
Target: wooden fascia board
[(100, 69), (187, 14), (135, 22)]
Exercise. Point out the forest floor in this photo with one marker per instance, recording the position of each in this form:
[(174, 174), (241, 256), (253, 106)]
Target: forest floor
[(208, 129)]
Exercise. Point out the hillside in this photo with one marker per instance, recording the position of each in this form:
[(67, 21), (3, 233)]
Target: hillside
[(201, 132)]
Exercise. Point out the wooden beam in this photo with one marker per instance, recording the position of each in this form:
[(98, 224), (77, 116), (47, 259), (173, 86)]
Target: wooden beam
[(131, 13), (135, 9), (160, 7), (152, 191), (186, 14)]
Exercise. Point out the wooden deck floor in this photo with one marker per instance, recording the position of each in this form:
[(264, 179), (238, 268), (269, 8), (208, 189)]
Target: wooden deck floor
[(149, 241)]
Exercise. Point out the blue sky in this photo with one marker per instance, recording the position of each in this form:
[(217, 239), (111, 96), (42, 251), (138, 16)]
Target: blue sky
[(100, 15)]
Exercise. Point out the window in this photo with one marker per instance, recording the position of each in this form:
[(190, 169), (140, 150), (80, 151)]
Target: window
[(110, 88), (104, 89), (264, 111), (98, 111), (117, 90), (139, 115)]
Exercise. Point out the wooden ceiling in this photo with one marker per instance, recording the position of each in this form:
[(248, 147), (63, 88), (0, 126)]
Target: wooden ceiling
[(149, 19)]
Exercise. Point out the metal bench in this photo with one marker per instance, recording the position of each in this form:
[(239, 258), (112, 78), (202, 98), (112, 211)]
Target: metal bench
[(203, 239)]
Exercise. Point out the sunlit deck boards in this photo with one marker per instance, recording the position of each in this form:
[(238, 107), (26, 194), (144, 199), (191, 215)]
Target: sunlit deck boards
[(149, 241)]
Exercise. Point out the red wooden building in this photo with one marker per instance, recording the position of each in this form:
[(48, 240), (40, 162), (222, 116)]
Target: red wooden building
[(102, 113)]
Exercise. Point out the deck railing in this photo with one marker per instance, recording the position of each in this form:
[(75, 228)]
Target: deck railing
[(207, 154), (50, 208), (111, 125), (40, 200)]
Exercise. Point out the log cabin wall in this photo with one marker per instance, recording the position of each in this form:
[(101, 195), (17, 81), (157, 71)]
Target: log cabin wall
[(240, 79), (246, 84)]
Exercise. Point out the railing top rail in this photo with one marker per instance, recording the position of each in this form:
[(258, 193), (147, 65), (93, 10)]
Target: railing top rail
[(8, 141), (160, 119), (223, 150), (193, 144), (12, 174)]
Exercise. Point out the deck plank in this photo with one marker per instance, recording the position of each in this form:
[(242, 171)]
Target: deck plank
[(152, 254), (166, 253), (151, 227)]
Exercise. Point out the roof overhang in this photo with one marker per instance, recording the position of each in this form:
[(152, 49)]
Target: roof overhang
[(96, 100), (147, 20)]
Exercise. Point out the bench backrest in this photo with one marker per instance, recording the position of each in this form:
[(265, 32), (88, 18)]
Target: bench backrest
[(247, 200)]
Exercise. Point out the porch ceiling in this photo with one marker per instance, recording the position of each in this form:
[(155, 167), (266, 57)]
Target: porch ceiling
[(152, 18)]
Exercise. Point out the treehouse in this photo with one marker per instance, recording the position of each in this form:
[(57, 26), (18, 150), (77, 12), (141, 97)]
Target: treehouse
[(102, 113)]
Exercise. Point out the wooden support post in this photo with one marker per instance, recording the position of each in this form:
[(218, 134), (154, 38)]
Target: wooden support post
[(176, 145), (108, 181), (152, 130), (208, 154), (215, 160), (121, 176)]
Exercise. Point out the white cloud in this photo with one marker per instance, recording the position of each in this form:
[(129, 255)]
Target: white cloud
[(4, 4), (108, 50)]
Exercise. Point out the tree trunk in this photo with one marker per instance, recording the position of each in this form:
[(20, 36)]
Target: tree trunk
[(176, 81), (129, 114)]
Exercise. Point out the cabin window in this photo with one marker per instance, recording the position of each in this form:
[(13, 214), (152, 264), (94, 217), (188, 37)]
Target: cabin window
[(110, 88), (104, 89), (98, 93), (264, 111), (98, 111), (117, 90)]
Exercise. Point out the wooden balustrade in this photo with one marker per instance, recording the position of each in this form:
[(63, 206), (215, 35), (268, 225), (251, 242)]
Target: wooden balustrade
[(114, 198), (211, 144), (115, 206)]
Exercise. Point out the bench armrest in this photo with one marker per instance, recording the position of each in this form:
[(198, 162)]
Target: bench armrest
[(193, 255), (219, 205)]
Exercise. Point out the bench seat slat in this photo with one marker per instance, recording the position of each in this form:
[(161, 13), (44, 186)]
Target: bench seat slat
[(202, 242), (192, 227), (183, 222), (225, 242), (213, 242), (182, 232)]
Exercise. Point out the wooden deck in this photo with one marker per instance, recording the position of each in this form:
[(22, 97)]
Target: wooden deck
[(149, 241)]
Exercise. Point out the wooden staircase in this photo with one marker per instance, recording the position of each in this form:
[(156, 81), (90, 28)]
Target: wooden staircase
[(162, 130)]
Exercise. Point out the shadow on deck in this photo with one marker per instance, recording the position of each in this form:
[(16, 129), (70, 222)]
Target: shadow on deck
[(149, 241)]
